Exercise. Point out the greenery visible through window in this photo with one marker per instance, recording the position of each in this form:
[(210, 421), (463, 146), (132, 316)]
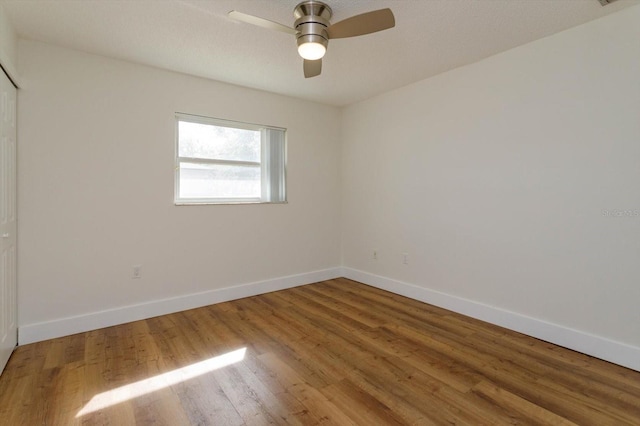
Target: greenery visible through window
[(220, 161)]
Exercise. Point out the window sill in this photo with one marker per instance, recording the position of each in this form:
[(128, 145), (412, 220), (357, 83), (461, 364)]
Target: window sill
[(224, 203)]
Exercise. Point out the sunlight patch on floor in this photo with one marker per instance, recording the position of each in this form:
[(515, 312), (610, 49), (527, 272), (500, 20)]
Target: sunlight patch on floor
[(153, 384)]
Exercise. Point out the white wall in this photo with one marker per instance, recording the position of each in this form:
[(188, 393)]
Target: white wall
[(8, 45), (96, 173), (494, 178)]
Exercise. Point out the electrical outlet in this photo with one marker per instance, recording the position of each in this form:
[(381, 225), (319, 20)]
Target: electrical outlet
[(405, 258), (137, 272)]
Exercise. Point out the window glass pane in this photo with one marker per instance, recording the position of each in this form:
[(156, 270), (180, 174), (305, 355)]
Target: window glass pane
[(219, 181), (218, 143)]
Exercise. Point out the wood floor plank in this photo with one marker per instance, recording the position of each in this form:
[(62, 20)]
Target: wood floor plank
[(503, 371), (310, 397), (204, 402), (589, 389), (359, 405), (335, 352), (507, 399), (244, 399), (272, 381)]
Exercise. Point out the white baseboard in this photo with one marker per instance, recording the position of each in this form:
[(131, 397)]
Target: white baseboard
[(599, 347), (31, 333)]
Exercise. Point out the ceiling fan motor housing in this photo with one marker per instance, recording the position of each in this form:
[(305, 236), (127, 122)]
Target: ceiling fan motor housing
[(312, 20)]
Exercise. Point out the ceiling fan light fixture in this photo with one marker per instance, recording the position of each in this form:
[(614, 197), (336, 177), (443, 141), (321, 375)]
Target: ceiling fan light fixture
[(312, 47)]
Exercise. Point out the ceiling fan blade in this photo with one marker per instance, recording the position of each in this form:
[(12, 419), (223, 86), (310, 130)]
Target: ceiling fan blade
[(261, 22), (312, 68), (362, 24)]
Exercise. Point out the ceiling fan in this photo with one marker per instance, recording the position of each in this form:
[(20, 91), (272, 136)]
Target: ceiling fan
[(313, 29)]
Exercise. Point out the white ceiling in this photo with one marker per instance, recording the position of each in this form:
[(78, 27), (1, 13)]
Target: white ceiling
[(196, 37)]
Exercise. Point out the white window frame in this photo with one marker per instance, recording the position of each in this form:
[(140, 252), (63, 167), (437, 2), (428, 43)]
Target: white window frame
[(272, 162)]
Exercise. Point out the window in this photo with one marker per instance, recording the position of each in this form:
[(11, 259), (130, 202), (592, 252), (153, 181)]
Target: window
[(220, 161)]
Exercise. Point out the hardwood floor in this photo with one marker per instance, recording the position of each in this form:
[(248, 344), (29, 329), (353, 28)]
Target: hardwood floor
[(335, 352)]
